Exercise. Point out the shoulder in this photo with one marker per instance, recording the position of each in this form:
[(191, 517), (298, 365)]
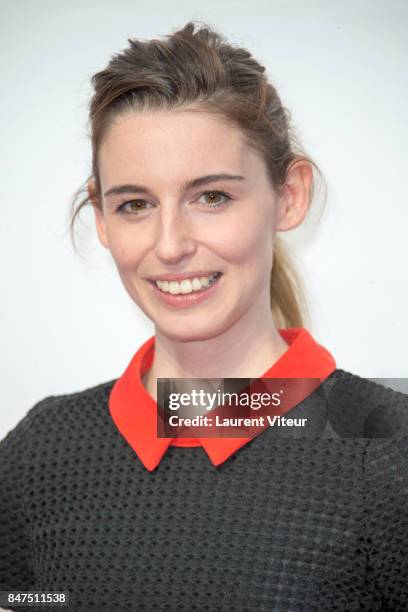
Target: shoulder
[(367, 409), (59, 411), (368, 390), (344, 380), (363, 407)]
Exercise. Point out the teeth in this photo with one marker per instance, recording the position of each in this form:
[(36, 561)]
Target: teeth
[(188, 285)]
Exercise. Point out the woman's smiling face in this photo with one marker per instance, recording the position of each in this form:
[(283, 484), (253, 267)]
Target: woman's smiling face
[(162, 225)]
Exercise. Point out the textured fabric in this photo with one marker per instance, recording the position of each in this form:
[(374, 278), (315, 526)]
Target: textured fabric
[(134, 411), (283, 524)]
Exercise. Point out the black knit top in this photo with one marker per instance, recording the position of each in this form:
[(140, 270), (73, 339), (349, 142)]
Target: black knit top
[(317, 523)]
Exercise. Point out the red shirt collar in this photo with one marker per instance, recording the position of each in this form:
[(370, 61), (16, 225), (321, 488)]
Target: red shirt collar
[(134, 411)]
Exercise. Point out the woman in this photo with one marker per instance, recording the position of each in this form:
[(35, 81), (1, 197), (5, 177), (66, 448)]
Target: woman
[(195, 170)]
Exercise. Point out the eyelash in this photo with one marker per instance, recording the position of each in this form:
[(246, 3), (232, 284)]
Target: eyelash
[(120, 209)]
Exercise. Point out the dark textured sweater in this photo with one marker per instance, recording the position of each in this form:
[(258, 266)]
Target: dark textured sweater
[(310, 524)]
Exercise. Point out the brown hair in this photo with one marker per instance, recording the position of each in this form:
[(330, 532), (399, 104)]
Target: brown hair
[(198, 68)]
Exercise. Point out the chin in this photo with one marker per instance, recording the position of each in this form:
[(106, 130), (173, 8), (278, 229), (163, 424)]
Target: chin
[(188, 332)]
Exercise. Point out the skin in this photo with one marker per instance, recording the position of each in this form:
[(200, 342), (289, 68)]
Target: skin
[(231, 334)]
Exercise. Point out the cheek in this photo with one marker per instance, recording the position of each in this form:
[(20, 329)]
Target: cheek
[(127, 247), (248, 248), (246, 242)]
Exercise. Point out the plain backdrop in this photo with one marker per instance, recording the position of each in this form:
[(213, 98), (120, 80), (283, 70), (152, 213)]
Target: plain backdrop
[(340, 67)]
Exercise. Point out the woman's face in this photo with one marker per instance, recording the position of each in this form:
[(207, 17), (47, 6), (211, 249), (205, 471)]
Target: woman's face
[(155, 224)]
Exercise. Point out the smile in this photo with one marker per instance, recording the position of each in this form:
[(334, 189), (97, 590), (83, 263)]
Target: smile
[(187, 285)]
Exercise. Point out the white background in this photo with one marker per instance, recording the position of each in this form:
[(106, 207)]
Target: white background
[(67, 323)]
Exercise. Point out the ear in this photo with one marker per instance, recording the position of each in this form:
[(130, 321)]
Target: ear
[(98, 210), (295, 195)]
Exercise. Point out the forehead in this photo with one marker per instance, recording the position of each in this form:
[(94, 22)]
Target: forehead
[(172, 144)]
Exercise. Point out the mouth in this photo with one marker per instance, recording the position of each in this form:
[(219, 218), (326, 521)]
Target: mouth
[(186, 286), (187, 292)]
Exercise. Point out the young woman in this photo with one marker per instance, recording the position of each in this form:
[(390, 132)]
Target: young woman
[(195, 171)]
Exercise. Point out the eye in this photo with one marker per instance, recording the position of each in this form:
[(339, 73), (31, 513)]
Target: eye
[(138, 207), (214, 196)]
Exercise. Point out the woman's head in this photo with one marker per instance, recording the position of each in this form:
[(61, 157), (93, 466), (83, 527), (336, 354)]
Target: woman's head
[(164, 114)]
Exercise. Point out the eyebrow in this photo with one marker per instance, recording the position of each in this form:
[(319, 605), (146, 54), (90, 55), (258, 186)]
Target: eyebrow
[(196, 182)]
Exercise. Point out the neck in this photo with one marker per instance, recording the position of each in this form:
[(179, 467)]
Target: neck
[(246, 350)]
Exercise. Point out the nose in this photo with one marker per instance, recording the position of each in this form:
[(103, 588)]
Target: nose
[(174, 238)]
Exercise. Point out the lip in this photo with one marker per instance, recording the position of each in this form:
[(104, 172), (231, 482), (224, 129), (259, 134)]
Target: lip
[(182, 275), (183, 300)]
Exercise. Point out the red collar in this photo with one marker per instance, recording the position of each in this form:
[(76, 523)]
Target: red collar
[(134, 411)]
